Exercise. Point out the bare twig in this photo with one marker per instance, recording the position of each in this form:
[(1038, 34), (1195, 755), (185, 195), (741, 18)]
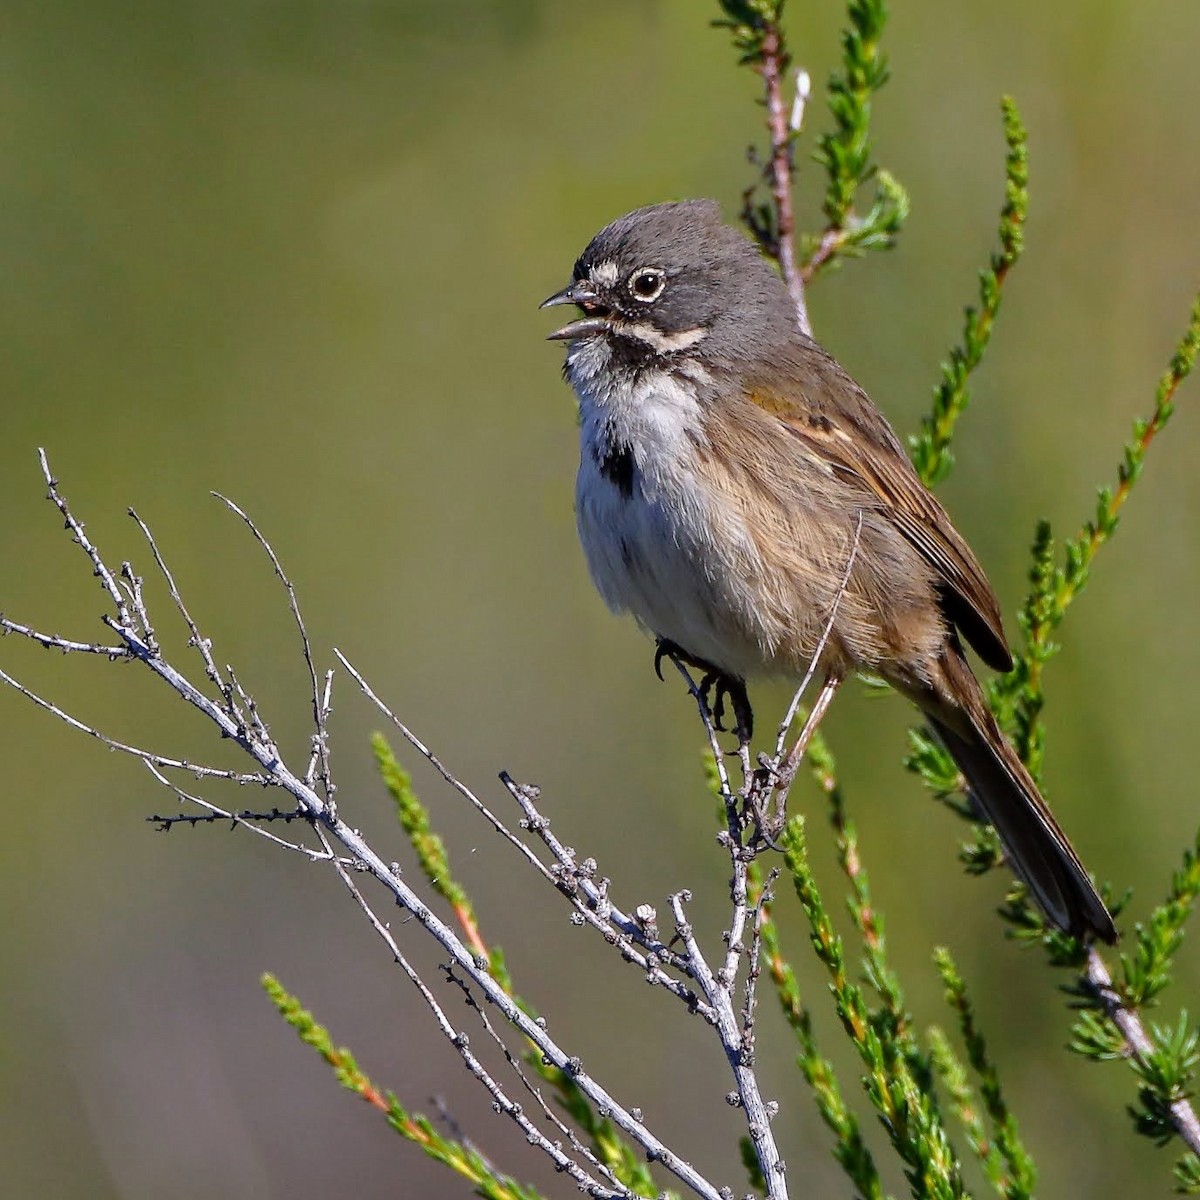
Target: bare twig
[(107, 581), (621, 930), (753, 960), (52, 641), (787, 773), (319, 759), (460, 1041), (202, 644), (147, 756), (758, 1115), (794, 707), (718, 989), (1127, 1020), (319, 710), (237, 819), (781, 166), (780, 774), (253, 736)]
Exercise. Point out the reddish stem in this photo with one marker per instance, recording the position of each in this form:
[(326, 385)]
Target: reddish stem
[(771, 68), (831, 241)]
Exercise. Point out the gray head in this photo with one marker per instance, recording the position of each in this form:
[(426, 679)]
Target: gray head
[(672, 278)]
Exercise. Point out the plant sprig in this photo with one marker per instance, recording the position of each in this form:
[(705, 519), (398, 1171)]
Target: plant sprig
[(931, 446), (1003, 1154), (416, 1128), (605, 1140), (907, 1111), (1055, 587), (846, 151), (850, 1149)]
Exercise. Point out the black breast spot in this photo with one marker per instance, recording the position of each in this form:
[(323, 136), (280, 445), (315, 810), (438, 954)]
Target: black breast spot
[(616, 465)]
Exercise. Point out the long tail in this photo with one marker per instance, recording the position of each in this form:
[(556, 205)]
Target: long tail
[(1037, 848)]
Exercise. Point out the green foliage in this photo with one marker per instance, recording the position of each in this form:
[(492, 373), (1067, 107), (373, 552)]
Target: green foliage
[(930, 447), (464, 1160), (845, 152), (953, 1075), (900, 1094), (1005, 1160), (1166, 1074), (877, 230), (1019, 697), (1165, 1071), (849, 1149), (1147, 971), (606, 1143), (1187, 1175), (751, 23)]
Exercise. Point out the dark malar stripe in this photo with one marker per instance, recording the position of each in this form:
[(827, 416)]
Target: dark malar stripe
[(616, 465)]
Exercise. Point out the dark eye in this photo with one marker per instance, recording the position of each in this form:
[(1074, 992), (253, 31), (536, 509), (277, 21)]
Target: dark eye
[(647, 284)]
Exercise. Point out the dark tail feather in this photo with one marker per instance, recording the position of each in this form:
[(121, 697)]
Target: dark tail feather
[(1037, 848)]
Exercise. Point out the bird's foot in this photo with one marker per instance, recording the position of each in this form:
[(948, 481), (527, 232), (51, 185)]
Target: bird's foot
[(665, 648), (715, 687), (721, 687)]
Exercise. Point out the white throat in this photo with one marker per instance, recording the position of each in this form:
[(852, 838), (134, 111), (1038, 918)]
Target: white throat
[(654, 411)]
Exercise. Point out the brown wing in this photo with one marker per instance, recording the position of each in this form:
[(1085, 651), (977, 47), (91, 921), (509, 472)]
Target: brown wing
[(836, 420)]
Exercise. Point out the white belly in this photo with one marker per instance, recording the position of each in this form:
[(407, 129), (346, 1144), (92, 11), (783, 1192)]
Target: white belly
[(650, 545)]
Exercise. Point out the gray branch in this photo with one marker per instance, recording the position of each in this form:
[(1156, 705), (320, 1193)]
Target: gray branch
[(234, 713)]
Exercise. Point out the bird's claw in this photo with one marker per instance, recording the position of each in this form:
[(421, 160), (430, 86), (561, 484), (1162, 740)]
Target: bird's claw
[(717, 684), (728, 687), (665, 649)]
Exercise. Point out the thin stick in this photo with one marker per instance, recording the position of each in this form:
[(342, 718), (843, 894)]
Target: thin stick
[(1183, 1115), (758, 1118), (297, 617), (786, 724), (235, 819), (788, 773), (51, 641), (780, 169), (202, 644), (146, 756), (107, 580), (562, 1161)]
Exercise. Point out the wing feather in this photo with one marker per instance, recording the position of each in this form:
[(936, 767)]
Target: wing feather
[(834, 419)]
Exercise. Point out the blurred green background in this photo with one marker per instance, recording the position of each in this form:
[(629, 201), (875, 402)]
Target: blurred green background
[(293, 252)]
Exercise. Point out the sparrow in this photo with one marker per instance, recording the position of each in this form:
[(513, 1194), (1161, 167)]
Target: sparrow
[(742, 497)]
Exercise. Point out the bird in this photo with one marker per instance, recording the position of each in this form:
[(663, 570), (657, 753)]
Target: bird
[(743, 498)]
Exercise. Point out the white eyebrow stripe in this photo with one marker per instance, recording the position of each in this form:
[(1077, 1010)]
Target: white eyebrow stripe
[(605, 273), (665, 343)]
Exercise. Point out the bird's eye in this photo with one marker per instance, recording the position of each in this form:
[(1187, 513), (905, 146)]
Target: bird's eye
[(647, 284)]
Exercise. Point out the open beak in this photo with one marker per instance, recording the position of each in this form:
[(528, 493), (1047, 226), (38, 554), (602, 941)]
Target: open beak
[(583, 294)]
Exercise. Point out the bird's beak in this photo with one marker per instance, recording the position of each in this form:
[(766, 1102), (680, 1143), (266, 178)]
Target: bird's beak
[(582, 293)]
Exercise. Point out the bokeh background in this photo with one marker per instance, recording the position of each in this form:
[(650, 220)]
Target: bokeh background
[(292, 251)]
